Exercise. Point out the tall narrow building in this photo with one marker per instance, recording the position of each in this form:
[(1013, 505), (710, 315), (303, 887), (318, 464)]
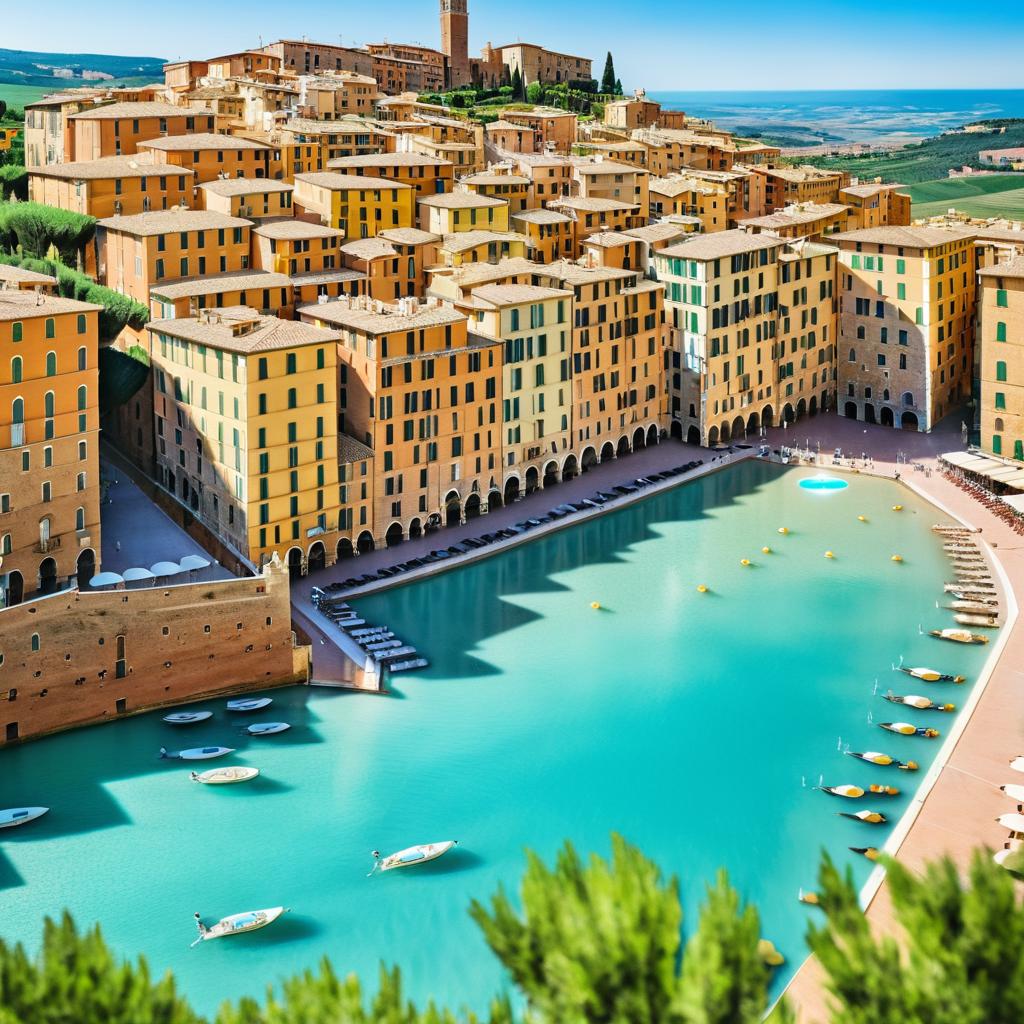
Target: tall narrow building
[(455, 41)]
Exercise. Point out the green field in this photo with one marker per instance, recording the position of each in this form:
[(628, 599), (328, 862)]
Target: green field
[(996, 195), (19, 95)]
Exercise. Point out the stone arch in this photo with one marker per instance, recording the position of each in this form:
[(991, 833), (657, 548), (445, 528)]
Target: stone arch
[(415, 529), (812, 406), (712, 437), (724, 433), (767, 416), (344, 549), (692, 435), (676, 430), (909, 421), (452, 509), (886, 417), (511, 489), (15, 587), (85, 567), (738, 428), (850, 410), (753, 425), (588, 460), (623, 446), (494, 500), (653, 436), (801, 409), (473, 506), (607, 451), (47, 576), (788, 413), (551, 475), (532, 479), (364, 542), (394, 535), (317, 557), (869, 413), (639, 439), (294, 562), (570, 468)]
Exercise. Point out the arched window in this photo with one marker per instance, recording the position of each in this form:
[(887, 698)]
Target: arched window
[(6, 547), (18, 410), (81, 323), (83, 358), (853, 355), (35, 641), (998, 424), (83, 396), (16, 370), (48, 403), (412, 268), (83, 451), (80, 482), (51, 364), (908, 397), (79, 518)]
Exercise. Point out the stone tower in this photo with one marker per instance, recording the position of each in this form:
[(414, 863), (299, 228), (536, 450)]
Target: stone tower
[(455, 40)]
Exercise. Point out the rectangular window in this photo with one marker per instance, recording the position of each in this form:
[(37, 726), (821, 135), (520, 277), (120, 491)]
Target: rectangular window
[(1000, 299), (1000, 331)]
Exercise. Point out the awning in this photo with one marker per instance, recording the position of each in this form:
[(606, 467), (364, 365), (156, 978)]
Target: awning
[(106, 579), (998, 471), (166, 569), (1015, 501), (193, 562), (134, 575)]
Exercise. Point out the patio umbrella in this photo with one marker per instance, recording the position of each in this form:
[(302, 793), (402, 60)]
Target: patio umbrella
[(1014, 822), (133, 575), (166, 569), (190, 562), (106, 579)]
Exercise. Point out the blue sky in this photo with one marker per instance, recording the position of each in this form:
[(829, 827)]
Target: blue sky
[(661, 44)]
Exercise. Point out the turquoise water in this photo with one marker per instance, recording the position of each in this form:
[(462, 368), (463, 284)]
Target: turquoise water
[(686, 721), (823, 483)]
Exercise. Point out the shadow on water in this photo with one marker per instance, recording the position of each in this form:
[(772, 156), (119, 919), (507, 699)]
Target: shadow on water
[(481, 597), (74, 773)]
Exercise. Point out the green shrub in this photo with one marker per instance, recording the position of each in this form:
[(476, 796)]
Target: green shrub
[(38, 227), (13, 182)]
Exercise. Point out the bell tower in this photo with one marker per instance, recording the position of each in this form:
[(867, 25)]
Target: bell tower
[(455, 40)]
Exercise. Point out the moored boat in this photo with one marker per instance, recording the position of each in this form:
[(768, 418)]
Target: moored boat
[(14, 816), (912, 700), (958, 636), (1014, 792), (868, 817), (870, 852), (989, 608), (187, 717), (849, 791), (412, 855), (238, 924), (267, 728), (225, 776), (884, 760), (931, 675), (195, 753), (249, 703), (906, 729), (973, 619)]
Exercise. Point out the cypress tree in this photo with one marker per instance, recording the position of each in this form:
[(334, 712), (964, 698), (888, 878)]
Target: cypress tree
[(517, 84), (608, 78), (618, 87)]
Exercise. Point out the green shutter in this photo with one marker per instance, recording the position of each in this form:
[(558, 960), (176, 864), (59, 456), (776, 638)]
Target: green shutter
[(1000, 331), (1001, 297), (997, 444)]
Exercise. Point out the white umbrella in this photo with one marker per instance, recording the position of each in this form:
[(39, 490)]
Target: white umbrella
[(106, 579), (193, 562), (1014, 822), (133, 575), (166, 569)]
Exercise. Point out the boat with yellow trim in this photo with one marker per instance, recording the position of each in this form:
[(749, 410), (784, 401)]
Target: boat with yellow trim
[(882, 760), (912, 700), (958, 636), (931, 675), (868, 817), (906, 729)]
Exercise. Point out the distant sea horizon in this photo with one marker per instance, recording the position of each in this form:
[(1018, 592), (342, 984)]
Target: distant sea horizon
[(814, 116)]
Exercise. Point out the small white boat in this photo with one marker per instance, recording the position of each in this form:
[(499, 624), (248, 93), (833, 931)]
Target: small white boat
[(14, 816), (412, 855), (238, 924), (225, 776), (195, 753), (250, 704), (931, 675), (959, 636), (187, 717), (267, 728), (1014, 792), (1017, 764), (913, 700), (1014, 822), (906, 729)]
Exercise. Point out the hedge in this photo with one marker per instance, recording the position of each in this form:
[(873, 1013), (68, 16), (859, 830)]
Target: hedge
[(119, 310), (35, 227), (13, 182)]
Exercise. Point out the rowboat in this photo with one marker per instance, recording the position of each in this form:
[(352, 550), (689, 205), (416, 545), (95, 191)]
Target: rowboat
[(870, 852), (187, 717), (238, 924), (225, 776), (959, 636), (195, 753), (906, 729), (912, 700), (931, 675), (885, 760), (249, 704), (15, 816), (850, 792), (974, 607), (412, 855), (267, 728), (985, 621), (868, 817)]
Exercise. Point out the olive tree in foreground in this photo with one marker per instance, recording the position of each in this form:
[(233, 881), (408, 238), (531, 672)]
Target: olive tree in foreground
[(962, 961), (599, 943)]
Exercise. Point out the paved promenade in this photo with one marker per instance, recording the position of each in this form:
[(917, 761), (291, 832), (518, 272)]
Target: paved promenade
[(958, 814)]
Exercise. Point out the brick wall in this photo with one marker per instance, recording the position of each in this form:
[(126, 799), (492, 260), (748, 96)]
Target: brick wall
[(63, 663)]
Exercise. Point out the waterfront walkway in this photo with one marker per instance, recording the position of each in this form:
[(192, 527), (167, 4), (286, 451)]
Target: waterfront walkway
[(958, 814)]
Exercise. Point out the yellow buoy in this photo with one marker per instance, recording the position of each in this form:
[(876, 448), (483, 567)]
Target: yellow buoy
[(701, 588), (766, 550), (897, 508), (897, 558), (595, 605), (744, 561), (862, 519), (828, 554), (783, 530)]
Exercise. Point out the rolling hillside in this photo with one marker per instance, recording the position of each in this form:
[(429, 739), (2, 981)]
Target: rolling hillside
[(996, 195), (36, 68)]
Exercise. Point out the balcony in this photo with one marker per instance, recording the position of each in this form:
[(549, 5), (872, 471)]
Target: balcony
[(47, 546)]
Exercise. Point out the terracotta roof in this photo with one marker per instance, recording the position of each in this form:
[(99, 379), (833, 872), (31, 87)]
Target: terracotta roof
[(290, 229), (348, 182), (109, 111), (460, 201), (609, 239), (318, 277), (542, 217), (216, 328), (460, 241), (574, 274), (241, 281), (243, 186), (592, 204), (507, 126), (720, 244), (408, 236), (864, 191), (138, 166), (488, 178), (203, 140), (513, 294), (159, 222), (656, 232), (23, 276), (595, 167), (389, 160), (18, 304), (911, 237), (805, 213), (1011, 268), (473, 273), (369, 248), (382, 320)]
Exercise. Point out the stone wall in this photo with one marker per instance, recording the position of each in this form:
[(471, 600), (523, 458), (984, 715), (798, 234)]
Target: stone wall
[(77, 658)]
